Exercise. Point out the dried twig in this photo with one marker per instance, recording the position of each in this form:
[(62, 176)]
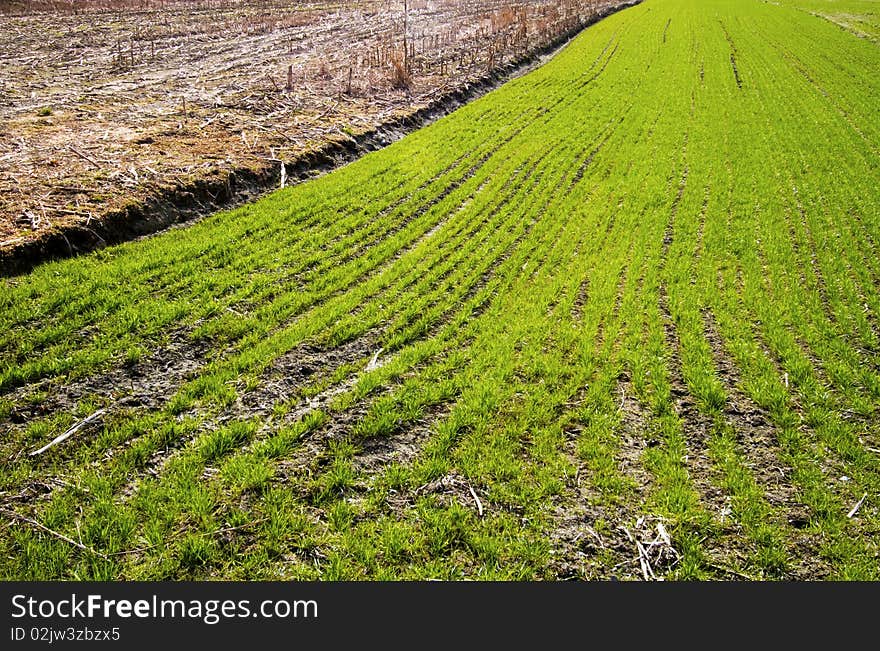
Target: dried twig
[(858, 505), (476, 499), (374, 361), (647, 572), (84, 157), (664, 535), (63, 437), (42, 527), (729, 570), (595, 535)]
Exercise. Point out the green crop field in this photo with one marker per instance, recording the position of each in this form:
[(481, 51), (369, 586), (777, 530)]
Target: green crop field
[(618, 318)]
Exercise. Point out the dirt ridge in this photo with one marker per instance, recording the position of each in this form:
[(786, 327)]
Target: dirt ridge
[(185, 203)]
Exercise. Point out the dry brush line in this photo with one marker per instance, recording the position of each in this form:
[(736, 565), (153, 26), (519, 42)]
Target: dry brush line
[(134, 154)]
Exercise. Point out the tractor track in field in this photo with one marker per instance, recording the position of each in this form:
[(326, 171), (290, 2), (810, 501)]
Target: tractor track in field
[(733, 55), (701, 232), (386, 264), (422, 209), (145, 383), (756, 436), (388, 447), (696, 426), (163, 371), (529, 176), (321, 300), (512, 246), (587, 161), (283, 380), (581, 298), (306, 460), (402, 446), (340, 425), (757, 442), (371, 455), (146, 386), (355, 252), (579, 551), (292, 371), (592, 532), (634, 437), (405, 444), (140, 388)]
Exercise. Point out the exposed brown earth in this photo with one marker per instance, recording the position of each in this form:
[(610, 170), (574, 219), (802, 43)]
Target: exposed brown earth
[(118, 119)]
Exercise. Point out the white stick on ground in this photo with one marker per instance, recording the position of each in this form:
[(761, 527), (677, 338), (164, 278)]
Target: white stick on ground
[(858, 505), (664, 535), (477, 500), (647, 572), (374, 362), (63, 437)]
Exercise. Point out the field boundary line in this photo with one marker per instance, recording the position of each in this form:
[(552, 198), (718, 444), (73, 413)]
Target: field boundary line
[(184, 204)]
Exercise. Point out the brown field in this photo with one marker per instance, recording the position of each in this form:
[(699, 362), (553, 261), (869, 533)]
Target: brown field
[(111, 110)]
